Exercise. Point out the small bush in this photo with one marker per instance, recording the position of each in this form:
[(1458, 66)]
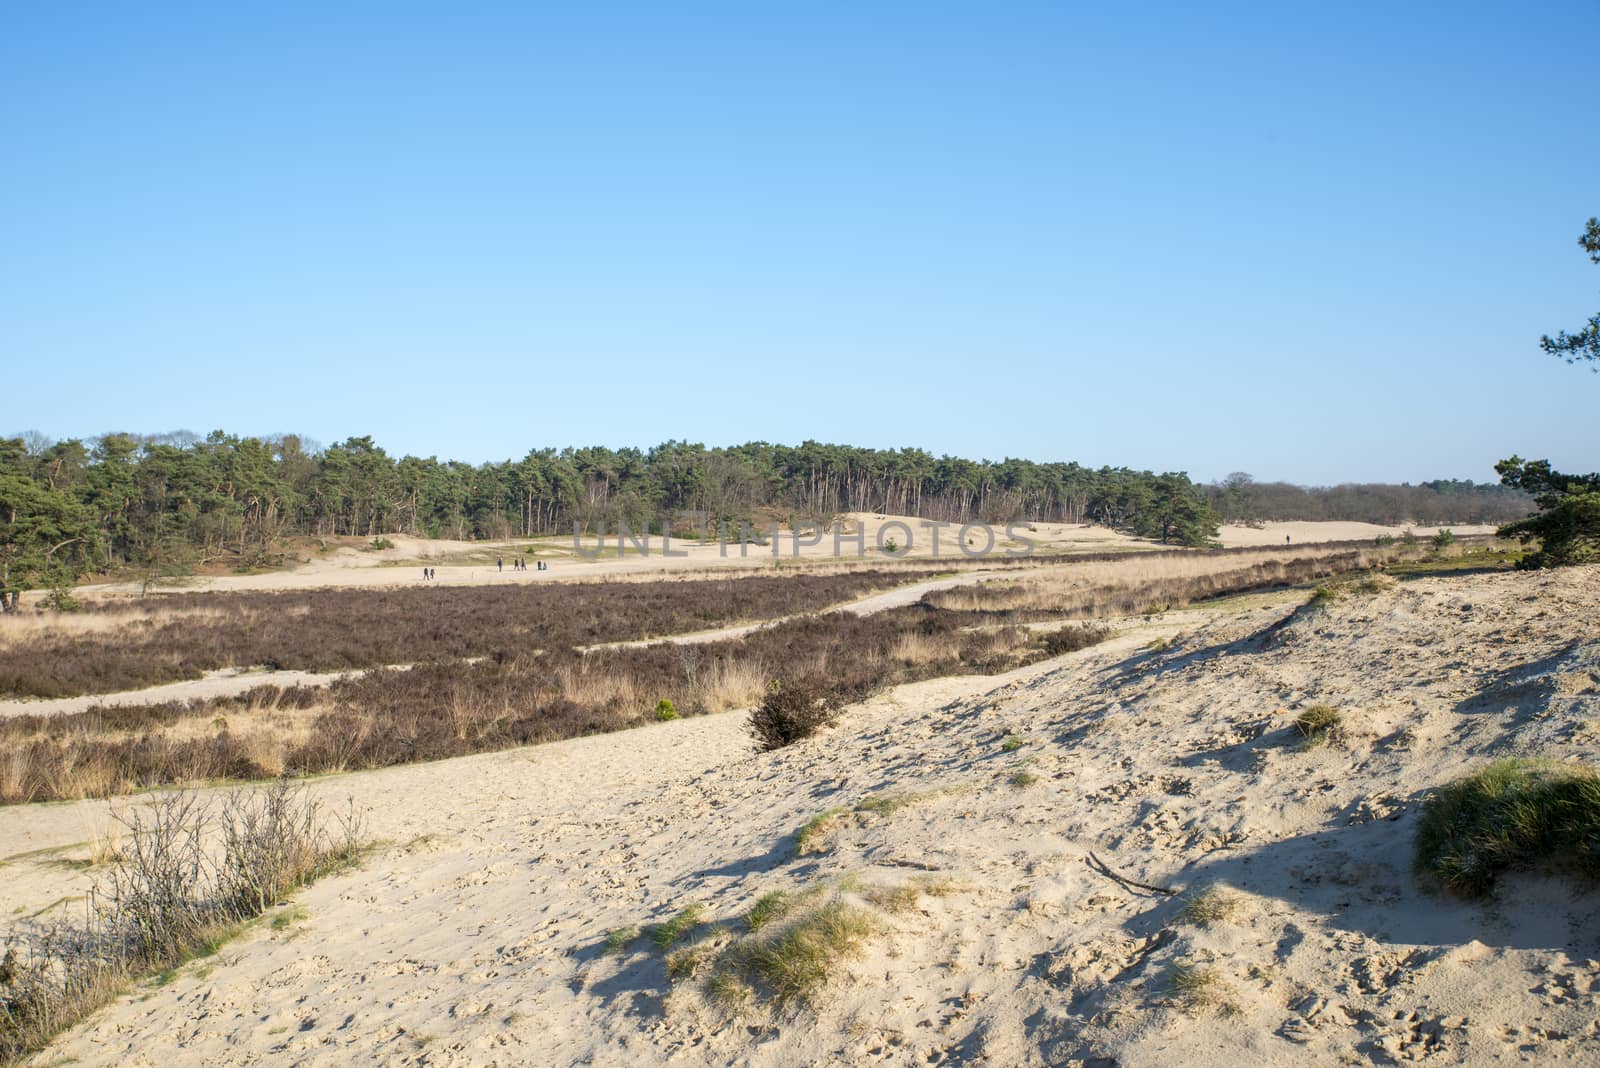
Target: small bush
[(1072, 638), (379, 544), (1023, 779), (666, 712), (1317, 724), (789, 712), (1011, 744), (1512, 814), (1385, 540), (1444, 539)]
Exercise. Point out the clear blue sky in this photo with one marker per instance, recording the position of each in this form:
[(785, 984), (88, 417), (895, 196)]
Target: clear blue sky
[(1314, 243)]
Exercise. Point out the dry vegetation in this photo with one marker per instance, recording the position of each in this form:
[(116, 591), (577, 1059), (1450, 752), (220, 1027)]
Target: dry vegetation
[(121, 647), (183, 881), (798, 672), (1156, 582)]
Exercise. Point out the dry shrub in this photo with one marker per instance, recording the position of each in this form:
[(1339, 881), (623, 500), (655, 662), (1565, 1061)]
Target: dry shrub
[(1072, 638), (791, 711), (185, 877)]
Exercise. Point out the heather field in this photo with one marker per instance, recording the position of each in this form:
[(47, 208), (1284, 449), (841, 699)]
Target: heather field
[(461, 671)]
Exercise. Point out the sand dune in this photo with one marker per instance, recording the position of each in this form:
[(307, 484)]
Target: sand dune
[(476, 936)]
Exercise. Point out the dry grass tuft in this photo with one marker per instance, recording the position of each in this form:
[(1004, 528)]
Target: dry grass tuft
[(1317, 724), (1208, 905)]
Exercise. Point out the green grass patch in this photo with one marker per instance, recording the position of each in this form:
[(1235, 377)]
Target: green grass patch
[(1022, 779), (1483, 558), (618, 938), (769, 908), (1512, 815), (815, 832), (808, 952), (1011, 744), (665, 934)]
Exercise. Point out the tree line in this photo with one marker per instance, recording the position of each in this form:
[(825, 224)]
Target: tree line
[(1441, 502), (174, 500)]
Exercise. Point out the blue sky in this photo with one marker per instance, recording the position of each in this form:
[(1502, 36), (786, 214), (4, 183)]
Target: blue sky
[(1317, 244)]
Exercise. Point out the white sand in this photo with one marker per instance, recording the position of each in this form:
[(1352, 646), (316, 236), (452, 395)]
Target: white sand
[(474, 938)]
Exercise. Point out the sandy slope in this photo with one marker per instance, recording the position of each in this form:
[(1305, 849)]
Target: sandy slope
[(474, 938)]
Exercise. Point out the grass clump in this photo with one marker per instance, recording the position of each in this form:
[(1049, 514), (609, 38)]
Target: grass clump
[(769, 907), (1208, 905), (816, 831), (1011, 744), (808, 952), (683, 963), (728, 991), (618, 938), (188, 878), (1199, 989), (1023, 779), (1513, 814), (666, 711), (668, 932), (1317, 724)]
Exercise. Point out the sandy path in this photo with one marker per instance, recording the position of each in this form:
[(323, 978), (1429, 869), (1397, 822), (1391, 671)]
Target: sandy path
[(476, 937)]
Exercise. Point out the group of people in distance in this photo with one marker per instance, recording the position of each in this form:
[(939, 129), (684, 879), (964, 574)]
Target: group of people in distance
[(517, 564)]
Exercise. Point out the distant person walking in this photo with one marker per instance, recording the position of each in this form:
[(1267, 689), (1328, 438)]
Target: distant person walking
[(1286, 539), (499, 563)]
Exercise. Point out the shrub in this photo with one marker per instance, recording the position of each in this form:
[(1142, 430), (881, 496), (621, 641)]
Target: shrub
[(789, 712), (1444, 538), (1385, 540), (665, 711), (1071, 639), (1512, 814), (379, 544)]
